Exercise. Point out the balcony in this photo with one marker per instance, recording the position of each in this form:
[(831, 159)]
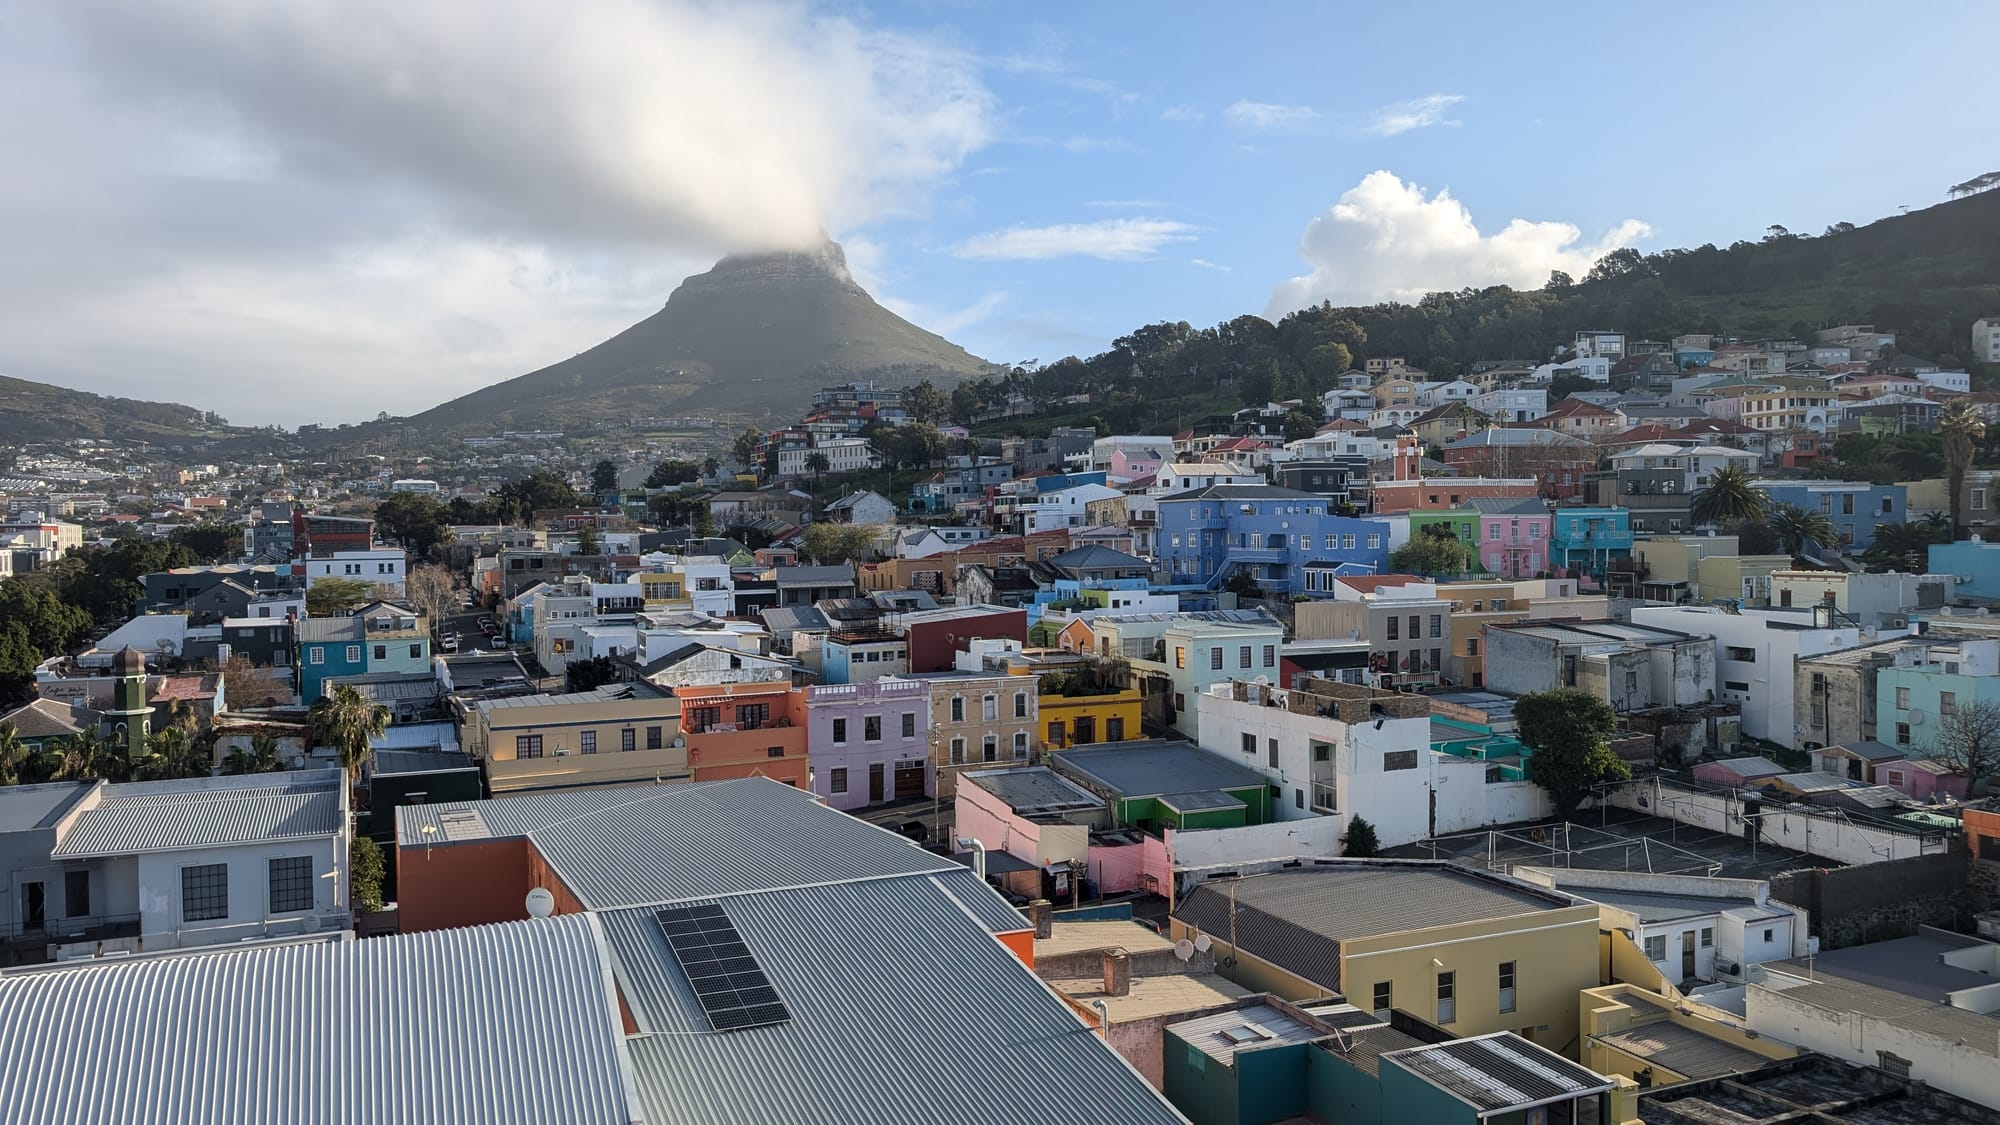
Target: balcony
[(1325, 798)]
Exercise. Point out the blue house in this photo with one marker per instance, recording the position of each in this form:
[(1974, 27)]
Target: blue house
[(329, 647), (1586, 539), (1977, 564), (1270, 533), (1855, 508)]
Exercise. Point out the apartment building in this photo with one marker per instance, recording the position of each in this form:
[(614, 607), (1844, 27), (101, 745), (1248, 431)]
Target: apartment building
[(754, 729), (870, 742)]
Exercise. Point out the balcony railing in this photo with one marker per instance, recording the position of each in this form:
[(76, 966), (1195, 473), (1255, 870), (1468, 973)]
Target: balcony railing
[(1326, 798)]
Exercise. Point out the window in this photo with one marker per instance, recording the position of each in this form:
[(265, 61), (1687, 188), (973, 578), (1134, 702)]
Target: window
[(871, 728), (1437, 625), (1902, 734), (1215, 659), (76, 894), (1399, 760), (205, 892), (909, 724), (1021, 743), (1895, 777), (291, 884), (1347, 542), (628, 740), (1767, 935), (1902, 699), (1727, 685), (1114, 729), (839, 731), (1416, 623), (1472, 646), (1656, 948), (1447, 997), (1947, 703), (1055, 733), (1180, 656), (527, 746), (1506, 986), (1394, 626), (774, 752), (354, 654), (753, 716), (989, 749), (1249, 743), (1978, 501), (1271, 749), (958, 751), (1708, 937), (1298, 798), (1384, 997), (416, 652), (587, 741), (1270, 656), (1740, 654), (653, 740), (1243, 657), (317, 655), (836, 779), (1020, 704)]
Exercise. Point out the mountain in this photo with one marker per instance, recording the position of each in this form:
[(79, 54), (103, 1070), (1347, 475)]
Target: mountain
[(40, 412), (756, 336)]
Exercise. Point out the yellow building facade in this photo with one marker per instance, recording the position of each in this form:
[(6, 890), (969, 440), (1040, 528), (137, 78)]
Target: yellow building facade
[(580, 739)]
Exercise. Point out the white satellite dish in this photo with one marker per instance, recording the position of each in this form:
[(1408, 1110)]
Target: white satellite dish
[(1202, 942), (541, 903), (1184, 949), (309, 923), (1916, 718)]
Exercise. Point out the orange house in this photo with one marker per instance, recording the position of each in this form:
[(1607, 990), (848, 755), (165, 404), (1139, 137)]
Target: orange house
[(1982, 833), (745, 730)]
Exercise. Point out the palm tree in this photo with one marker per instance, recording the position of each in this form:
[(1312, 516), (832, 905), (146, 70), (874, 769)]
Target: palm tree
[(816, 463), (1939, 525), (1904, 545), (345, 720), (261, 757), (14, 754), (88, 756), (1728, 497), (1961, 428), (171, 754), (1797, 527)]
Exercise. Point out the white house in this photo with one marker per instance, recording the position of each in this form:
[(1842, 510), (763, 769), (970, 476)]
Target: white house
[(1513, 404), (1595, 344), (1694, 461), (104, 868), (1187, 476), (1437, 394), (377, 566), (1597, 369), (1064, 507), (1691, 927), (1755, 651)]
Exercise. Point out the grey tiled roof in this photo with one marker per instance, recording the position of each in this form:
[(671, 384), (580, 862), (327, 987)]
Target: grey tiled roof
[(154, 816), (1297, 919), (511, 1024), (901, 1009)]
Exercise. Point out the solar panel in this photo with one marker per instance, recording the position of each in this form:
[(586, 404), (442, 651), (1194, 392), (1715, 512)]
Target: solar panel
[(731, 986)]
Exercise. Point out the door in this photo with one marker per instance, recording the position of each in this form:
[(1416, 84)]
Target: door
[(909, 780), (34, 906), (876, 773), (1687, 955)]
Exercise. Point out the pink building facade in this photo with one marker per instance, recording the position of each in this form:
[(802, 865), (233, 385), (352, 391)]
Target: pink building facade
[(1513, 537)]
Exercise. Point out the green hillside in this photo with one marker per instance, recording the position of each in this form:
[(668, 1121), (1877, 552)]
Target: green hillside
[(39, 412)]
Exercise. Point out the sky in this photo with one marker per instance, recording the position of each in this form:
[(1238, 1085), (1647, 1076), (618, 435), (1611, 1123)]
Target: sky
[(321, 210)]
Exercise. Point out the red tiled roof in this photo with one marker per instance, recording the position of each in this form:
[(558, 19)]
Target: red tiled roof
[(1369, 583)]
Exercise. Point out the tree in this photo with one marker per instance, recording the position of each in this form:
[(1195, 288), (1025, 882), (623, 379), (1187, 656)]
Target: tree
[(1243, 584), (748, 446), (14, 755), (1432, 552), (1563, 386), (1299, 424), (345, 720), (671, 472), (1259, 383), (432, 592), (964, 404), (710, 466), (603, 478), (1326, 363), (414, 519), (332, 596), (1565, 731), (35, 624), (1360, 841), (589, 675), (1559, 282), (926, 403), (1727, 498), (88, 756), (1961, 428), (1904, 546), (538, 490), (1798, 527), (586, 540), (211, 542), (261, 756), (816, 463), (1968, 739), (172, 752), (364, 874), (829, 544), (1753, 537)]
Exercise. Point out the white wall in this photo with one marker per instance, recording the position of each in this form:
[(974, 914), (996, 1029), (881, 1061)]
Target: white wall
[(159, 887), (1829, 837), (1314, 837), (1965, 1070), (1769, 704)]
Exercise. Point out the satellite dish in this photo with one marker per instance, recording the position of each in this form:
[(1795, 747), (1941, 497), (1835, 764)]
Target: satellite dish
[(1184, 949), (309, 923), (1202, 942), (541, 903), (1916, 717)]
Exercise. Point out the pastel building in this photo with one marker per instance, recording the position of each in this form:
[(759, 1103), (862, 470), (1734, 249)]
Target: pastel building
[(1207, 536), (1513, 536), (746, 730), (1856, 508), (870, 742), (1586, 540)]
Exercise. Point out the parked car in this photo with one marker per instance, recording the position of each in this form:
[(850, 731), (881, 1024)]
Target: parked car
[(450, 643)]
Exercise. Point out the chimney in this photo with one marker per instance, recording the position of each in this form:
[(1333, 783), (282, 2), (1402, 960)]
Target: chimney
[(1117, 972), (1043, 916)]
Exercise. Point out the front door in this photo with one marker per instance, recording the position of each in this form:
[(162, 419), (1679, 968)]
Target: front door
[(1687, 955), (876, 772), (34, 906)]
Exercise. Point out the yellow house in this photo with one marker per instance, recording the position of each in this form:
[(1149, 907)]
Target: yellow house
[(620, 734), (665, 590), (1659, 1039), (1079, 720), (1469, 951)]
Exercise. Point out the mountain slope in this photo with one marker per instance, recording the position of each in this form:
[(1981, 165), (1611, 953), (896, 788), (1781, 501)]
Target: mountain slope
[(755, 335), (40, 412)]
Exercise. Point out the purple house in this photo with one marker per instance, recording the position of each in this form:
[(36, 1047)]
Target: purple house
[(870, 743)]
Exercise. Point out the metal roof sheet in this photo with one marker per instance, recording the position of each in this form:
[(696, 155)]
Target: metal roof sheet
[(1154, 767), (1498, 1072), (1650, 906), (1685, 1050), (1222, 1034), (1205, 800), (513, 1023), (900, 1006), (1032, 789), (205, 812)]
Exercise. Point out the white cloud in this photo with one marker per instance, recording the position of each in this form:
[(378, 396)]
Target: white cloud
[(1083, 144), (1110, 239), (1389, 240), (1182, 114), (1128, 204), (1264, 115), (1204, 263), (1415, 113)]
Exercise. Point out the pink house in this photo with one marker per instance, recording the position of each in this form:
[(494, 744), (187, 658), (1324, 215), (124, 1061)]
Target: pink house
[(1513, 536), (1922, 778)]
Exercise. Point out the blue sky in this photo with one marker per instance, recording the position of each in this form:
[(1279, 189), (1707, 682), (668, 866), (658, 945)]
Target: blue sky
[(318, 210)]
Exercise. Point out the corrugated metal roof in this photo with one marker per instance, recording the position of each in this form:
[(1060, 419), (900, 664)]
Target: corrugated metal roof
[(503, 1024), (204, 812), (1206, 800), (902, 1008), (1685, 1050), (1031, 789), (1222, 1034), (1498, 1072)]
